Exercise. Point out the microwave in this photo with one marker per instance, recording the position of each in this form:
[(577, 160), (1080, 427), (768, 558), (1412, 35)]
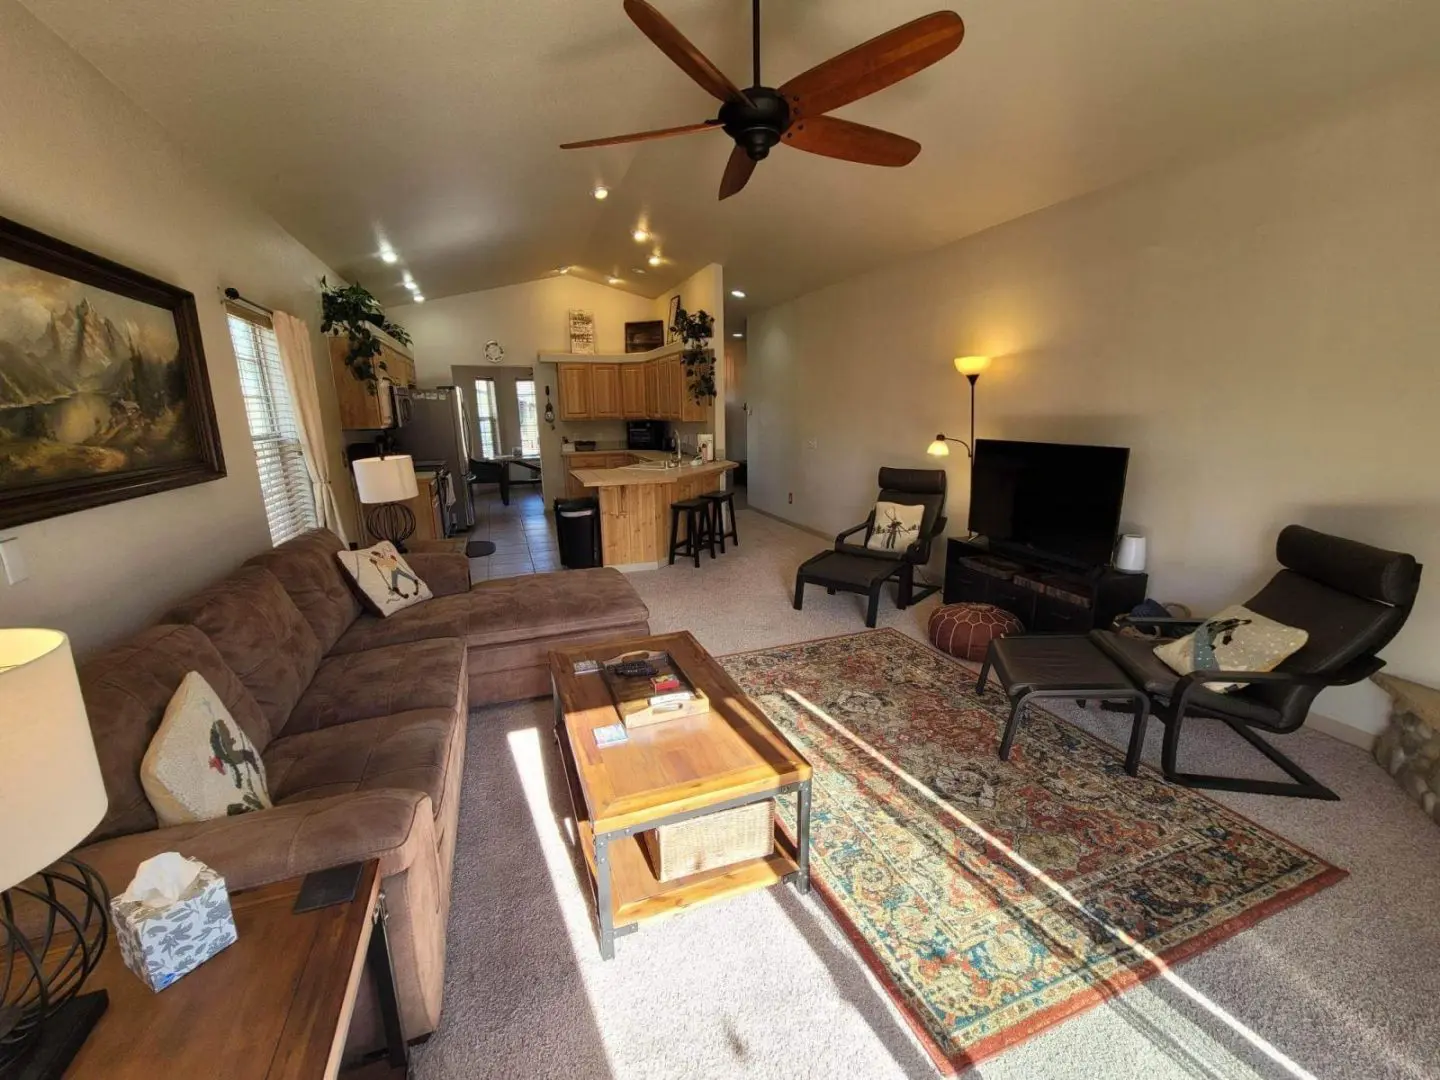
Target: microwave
[(646, 434), (396, 408)]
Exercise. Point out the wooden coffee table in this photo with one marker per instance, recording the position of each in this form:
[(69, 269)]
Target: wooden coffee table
[(276, 1004), (668, 773)]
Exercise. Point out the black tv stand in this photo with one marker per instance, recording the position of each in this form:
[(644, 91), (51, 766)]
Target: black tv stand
[(1047, 596)]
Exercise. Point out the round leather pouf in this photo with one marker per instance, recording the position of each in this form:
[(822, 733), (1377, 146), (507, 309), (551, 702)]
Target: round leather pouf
[(965, 630)]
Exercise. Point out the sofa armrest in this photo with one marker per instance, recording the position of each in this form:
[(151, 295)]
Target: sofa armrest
[(446, 572), (298, 838)]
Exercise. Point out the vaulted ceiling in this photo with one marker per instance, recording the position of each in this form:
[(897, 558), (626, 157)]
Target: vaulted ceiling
[(433, 126)]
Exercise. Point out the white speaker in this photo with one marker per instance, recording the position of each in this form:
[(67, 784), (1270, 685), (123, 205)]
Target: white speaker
[(1130, 554)]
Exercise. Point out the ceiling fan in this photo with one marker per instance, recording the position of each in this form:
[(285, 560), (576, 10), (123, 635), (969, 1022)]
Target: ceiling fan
[(794, 114)]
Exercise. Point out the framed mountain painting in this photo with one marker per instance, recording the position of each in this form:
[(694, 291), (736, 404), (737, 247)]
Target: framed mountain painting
[(103, 390)]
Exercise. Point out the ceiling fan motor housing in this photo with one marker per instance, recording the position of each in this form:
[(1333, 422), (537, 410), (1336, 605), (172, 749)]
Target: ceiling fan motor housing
[(758, 125)]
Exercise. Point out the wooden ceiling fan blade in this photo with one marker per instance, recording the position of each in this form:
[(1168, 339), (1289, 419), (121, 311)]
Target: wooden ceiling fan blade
[(880, 62), (643, 136), (737, 172), (832, 137), (685, 55)]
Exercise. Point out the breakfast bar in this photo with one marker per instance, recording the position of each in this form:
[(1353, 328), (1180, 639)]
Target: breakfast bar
[(635, 505)]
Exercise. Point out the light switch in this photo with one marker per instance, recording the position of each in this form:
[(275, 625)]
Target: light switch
[(13, 559), (812, 444)]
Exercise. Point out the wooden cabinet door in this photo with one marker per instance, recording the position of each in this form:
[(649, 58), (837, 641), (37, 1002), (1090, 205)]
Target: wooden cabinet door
[(652, 390), (575, 400), (359, 408), (605, 391), (632, 392), (672, 378), (691, 410)]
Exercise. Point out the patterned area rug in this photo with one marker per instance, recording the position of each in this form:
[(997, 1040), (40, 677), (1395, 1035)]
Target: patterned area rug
[(996, 899)]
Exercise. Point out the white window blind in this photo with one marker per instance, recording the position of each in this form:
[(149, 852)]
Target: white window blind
[(529, 418), (487, 416), (284, 479)]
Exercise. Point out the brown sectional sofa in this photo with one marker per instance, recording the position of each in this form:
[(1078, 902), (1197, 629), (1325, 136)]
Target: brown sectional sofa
[(360, 722)]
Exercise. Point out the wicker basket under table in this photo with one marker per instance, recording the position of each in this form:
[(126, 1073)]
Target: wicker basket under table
[(712, 841)]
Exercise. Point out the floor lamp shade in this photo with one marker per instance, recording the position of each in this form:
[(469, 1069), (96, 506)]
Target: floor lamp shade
[(51, 790), (385, 480)]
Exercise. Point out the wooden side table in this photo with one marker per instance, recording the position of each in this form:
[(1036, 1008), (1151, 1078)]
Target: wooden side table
[(275, 1005)]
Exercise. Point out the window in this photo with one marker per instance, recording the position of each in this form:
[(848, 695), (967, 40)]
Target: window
[(529, 418), (284, 478), (488, 417)]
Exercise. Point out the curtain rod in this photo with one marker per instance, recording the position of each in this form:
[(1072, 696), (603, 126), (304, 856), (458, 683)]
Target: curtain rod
[(234, 297)]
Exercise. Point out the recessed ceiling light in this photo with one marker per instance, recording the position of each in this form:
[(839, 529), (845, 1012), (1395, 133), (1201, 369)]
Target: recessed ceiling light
[(737, 294), (388, 256), (419, 299), (654, 260), (737, 335), (612, 281), (601, 191), (640, 236), (636, 270), (563, 270)]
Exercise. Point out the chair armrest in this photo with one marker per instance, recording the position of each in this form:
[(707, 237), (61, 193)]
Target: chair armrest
[(446, 572), (851, 532), (285, 841), (1353, 672)]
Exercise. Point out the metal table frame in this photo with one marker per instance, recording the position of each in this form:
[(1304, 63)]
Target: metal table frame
[(605, 918)]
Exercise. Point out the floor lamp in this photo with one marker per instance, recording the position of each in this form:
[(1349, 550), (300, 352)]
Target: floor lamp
[(383, 484), (970, 367), (53, 908)]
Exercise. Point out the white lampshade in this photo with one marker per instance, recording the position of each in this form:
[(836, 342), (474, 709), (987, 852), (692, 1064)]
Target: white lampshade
[(386, 480), (971, 365), (51, 790), (939, 448)]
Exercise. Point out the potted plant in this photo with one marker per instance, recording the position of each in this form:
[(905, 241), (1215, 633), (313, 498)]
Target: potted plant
[(695, 332), (351, 310)]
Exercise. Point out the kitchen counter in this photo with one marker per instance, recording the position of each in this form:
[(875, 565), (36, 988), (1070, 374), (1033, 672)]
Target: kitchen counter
[(649, 472), (635, 504)]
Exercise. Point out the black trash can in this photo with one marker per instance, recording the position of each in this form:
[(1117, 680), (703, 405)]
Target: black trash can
[(577, 530)]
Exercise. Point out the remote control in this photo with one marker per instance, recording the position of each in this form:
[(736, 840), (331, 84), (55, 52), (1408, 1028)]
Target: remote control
[(634, 667)]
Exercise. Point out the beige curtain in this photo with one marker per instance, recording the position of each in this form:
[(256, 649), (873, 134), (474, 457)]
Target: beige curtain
[(293, 337)]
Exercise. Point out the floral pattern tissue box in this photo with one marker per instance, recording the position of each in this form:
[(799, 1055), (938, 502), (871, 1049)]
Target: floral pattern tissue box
[(174, 916)]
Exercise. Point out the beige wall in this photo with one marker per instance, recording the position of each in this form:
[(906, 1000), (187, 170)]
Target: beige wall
[(702, 291), (82, 163), (1260, 329)]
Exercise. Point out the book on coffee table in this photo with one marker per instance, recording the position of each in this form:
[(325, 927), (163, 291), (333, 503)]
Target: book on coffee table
[(659, 693)]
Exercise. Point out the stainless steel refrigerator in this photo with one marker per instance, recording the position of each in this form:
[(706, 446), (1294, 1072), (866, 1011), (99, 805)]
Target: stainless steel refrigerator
[(439, 430)]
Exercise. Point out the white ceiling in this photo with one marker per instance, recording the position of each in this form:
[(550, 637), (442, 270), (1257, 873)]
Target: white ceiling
[(434, 126)]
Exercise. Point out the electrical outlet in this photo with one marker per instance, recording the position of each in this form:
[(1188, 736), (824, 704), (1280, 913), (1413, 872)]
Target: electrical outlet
[(13, 560)]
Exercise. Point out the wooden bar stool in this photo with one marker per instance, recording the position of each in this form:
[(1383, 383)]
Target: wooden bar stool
[(698, 529), (718, 500)]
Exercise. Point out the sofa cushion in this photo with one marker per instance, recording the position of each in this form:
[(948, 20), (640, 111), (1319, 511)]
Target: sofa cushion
[(127, 689), (509, 610), (380, 682), (409, 750), (261, 635), (306, 566)]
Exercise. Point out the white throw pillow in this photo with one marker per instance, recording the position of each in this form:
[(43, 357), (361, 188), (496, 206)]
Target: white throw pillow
[(200, 764), (897, 526), (384, 577), (1237, 639)]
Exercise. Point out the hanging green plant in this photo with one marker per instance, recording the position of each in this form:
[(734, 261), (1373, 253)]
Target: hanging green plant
[(695, 331), (352, 311)]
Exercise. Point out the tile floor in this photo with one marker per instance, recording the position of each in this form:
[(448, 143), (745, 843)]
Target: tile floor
[(522, 533)]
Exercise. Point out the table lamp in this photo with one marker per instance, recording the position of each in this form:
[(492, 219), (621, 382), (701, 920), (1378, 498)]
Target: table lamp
[(383, 484), (51, 796)]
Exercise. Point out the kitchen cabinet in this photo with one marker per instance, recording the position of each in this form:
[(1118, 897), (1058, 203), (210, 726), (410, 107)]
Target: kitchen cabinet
[(587, 459), (427, 508), (671, 389), (632, 392), (652, 391), (359, 408), (575, 386), (605, 392)]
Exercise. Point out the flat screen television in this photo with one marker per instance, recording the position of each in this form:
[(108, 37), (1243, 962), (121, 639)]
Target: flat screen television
[(1049, 498)]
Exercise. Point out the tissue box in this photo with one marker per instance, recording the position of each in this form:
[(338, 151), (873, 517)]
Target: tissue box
[(161, 942)]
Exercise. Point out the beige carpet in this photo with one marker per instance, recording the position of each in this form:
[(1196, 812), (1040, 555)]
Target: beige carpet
[(1344, 985)]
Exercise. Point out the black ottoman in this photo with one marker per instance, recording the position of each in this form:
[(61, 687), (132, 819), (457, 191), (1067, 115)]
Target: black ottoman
[(1060, 666)]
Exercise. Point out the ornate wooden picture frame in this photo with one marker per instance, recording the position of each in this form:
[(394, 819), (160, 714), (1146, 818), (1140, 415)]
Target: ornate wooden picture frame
[(104, 394)]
